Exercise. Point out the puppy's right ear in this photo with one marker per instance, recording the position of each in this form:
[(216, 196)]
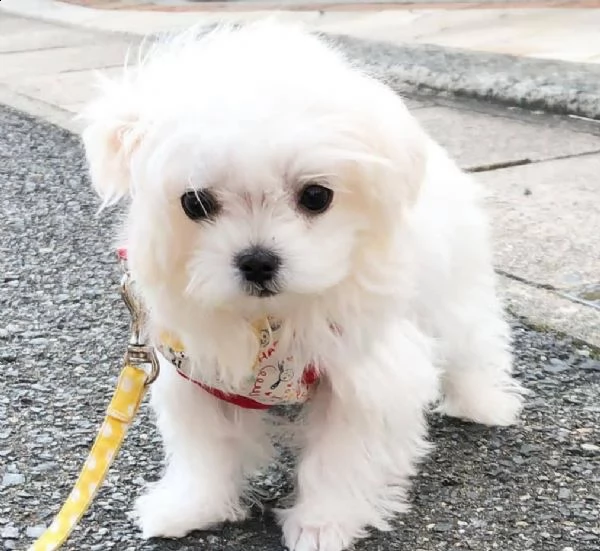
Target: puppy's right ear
[(111, 136)]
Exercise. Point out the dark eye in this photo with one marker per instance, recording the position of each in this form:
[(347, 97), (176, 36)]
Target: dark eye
[(199, 204), (315, 198)]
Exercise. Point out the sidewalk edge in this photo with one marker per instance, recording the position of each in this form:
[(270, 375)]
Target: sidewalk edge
[(559, 87)]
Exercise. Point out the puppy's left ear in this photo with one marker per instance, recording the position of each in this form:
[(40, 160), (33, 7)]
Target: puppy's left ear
[(111, 136), (401, 148), (408, 147)]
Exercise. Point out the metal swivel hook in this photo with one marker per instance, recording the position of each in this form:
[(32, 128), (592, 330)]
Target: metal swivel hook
[(138, 352)]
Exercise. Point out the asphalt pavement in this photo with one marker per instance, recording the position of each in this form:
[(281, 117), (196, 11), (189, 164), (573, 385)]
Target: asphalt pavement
[(535, 487)]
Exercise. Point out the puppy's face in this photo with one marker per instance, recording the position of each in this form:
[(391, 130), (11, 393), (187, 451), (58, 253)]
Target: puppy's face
[(252, 234), (270, 215), (256, 199)]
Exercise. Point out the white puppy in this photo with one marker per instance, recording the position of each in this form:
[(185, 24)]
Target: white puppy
[(296, 236)]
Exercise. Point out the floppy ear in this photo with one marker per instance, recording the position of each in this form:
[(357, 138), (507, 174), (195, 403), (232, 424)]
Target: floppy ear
[(401, 147), (111, 136)]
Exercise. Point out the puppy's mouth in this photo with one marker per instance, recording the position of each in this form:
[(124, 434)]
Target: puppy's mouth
[(266, 293), (261, 291)]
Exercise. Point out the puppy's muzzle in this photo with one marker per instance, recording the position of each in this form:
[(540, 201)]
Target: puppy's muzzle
[(259, 268)]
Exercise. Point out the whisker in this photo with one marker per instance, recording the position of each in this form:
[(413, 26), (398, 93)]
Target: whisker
[(201, 203)]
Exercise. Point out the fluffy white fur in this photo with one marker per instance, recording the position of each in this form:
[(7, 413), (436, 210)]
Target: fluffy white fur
[(400, 262)]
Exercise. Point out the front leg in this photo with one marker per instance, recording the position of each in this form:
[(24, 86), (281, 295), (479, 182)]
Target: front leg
[(210, 448), (364, 435)]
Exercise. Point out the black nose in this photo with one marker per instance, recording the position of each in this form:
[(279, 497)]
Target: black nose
[(258, 265)]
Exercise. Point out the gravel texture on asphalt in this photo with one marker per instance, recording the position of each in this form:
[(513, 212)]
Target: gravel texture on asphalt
[(63, 331)]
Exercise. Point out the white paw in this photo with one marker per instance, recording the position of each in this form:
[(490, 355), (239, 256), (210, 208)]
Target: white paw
[(164, 512), (325, 537), (476, 398)]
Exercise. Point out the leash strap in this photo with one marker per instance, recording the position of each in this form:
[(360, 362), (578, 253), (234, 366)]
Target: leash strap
[(123, 407), (140, 370)]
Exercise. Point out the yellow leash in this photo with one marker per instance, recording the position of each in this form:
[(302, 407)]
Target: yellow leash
[(140, 369), (121, 411)]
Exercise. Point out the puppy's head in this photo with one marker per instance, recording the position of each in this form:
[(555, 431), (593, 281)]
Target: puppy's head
[(263, 169)]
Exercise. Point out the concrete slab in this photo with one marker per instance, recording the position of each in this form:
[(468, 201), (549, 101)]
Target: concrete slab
[(414, 103), (546, 221), (13, 24), (42, 39), (72, 58), (63, 89), (545, 309), (18, 34), (143, 22), (40, 109), (72, 90), (519, 32), (527, 30), (476, 139)]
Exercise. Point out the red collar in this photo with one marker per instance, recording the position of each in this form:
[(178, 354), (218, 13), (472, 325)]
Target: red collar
[(309, 377)]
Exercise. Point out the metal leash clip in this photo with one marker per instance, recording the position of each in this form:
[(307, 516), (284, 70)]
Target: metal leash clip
[(138, 353)]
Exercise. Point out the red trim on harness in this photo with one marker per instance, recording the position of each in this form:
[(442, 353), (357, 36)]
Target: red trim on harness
[(235, 399), (309, 377)]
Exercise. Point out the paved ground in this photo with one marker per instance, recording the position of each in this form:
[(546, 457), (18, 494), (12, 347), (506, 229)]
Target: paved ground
[(548, 29), (520, 53), (531, 488)]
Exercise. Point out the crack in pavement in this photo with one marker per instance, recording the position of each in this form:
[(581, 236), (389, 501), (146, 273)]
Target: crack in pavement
[(551, 288), (526, 161)]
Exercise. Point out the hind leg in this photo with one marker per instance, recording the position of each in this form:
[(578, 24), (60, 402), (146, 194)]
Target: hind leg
[(475, 345)]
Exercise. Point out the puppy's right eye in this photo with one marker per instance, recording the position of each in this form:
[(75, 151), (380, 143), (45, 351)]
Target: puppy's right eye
[(199, 204), (315, 198)]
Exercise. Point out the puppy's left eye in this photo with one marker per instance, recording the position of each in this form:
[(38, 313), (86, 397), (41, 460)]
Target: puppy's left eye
[(315, 198), (199, 204)]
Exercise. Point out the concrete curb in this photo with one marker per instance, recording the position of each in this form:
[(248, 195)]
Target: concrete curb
[(555, 86)]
